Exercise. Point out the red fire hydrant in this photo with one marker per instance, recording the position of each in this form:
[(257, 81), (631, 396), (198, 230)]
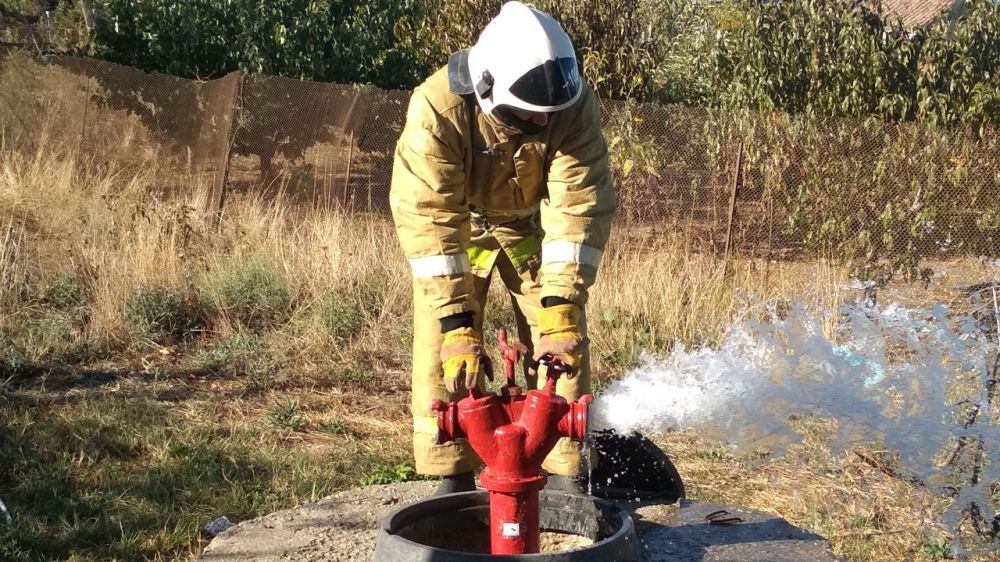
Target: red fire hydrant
[(512, 434)]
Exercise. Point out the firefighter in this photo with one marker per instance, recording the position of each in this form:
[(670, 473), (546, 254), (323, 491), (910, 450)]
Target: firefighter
[(501, 171)]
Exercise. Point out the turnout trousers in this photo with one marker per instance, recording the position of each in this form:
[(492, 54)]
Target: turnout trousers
[(511, 253)]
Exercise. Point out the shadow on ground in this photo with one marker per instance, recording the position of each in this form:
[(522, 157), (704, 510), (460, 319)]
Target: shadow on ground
[(684, 533)]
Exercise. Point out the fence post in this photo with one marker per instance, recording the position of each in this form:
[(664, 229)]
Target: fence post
[(343, 196), (83, 125), (217, 197), (347, 176), (737, 181)]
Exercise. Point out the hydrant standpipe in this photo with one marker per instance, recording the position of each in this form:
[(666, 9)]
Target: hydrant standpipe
[(512, 433)]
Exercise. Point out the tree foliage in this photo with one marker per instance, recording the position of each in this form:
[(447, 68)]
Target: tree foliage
[(628, 48), (822, 57), (323, 40), (826, 57)]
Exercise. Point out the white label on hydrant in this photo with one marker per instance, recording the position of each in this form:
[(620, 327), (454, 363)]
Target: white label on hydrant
[(511, 529)]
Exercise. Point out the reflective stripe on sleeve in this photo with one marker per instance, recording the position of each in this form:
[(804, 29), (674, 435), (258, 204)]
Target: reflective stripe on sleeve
[(439, 266), (570, 252)]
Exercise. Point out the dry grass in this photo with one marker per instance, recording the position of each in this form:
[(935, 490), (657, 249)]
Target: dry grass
[(864, 513)]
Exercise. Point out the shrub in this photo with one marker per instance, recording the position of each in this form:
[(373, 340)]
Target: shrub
[(248, 292), (323, 40), (829, 57), (615, 40), (159, 314), (55, 337), (65, 293)]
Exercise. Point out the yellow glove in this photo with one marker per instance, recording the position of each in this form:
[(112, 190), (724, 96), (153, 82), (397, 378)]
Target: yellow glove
[(462, 359), (559, 326)]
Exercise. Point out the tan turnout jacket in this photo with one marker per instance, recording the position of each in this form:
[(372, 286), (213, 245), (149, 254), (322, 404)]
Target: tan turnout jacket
[(543, 197)]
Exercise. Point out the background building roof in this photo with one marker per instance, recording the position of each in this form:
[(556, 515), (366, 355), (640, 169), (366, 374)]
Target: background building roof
[(916, 13)]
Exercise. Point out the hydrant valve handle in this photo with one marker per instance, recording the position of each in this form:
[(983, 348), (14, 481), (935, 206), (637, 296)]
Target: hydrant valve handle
[(511, 354), (554, 368)]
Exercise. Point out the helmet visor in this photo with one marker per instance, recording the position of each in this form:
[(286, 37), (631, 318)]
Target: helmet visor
[(550, 84)]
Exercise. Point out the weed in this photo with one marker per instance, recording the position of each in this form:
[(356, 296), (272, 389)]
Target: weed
[(160, 315), (287, 415), (337, 426), (12, 359), (388, 474), (54, 336), (241, 354), (357, 374), (345, 311), (66, 293), (718, 452), (937, 549), (339, 318), (249, 292), (370, 292)]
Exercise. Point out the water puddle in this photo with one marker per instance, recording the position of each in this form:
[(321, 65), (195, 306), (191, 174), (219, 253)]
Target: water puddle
[(917, 381)]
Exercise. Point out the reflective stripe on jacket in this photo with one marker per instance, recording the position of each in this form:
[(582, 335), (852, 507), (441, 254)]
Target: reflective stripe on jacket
[(445, 170)]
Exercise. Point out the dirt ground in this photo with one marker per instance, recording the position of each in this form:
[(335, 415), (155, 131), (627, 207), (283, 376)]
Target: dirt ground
[(344, 527)]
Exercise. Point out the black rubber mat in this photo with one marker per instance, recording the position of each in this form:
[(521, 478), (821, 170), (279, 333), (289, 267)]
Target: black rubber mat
[(631, 467)]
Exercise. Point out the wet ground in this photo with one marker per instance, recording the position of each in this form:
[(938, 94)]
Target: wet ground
[(343, 527)]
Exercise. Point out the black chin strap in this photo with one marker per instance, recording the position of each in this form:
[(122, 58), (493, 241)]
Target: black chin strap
[(526, 126)]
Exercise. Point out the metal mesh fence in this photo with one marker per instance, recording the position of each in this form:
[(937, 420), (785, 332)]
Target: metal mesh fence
[(762, 183)]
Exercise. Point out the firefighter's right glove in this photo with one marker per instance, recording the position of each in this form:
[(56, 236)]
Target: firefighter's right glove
[(463, 359), (560, 336)]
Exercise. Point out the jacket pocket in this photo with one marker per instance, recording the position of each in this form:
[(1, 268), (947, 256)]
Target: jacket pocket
[(529, 180), (492, 174), (484, 162)]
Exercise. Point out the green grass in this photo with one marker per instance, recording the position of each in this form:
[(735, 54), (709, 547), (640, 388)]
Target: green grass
[(94, 474), (249, 291), (389, 474), (160, 314)]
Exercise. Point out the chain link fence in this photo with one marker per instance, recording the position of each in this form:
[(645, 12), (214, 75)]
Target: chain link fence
[(770, 184)]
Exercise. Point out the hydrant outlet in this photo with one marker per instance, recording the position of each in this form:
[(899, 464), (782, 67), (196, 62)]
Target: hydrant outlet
[(574, 423)]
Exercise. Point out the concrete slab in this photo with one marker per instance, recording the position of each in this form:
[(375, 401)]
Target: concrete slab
[(343, 527)]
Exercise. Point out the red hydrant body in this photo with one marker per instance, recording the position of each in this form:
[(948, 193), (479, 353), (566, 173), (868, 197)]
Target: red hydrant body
[(512, 434)]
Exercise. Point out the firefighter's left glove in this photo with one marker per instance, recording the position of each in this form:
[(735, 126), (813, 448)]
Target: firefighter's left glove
[(463, 360), (561, 337)]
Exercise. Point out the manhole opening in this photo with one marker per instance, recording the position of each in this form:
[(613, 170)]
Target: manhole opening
[(567, 525)]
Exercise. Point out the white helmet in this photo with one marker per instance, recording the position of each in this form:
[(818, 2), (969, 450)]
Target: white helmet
[(523, 60)]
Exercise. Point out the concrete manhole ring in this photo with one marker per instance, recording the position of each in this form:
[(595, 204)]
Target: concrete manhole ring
[(455, 528), (344, 527)]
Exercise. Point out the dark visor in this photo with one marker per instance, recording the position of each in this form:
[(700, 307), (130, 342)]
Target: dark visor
[(553, 83)]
